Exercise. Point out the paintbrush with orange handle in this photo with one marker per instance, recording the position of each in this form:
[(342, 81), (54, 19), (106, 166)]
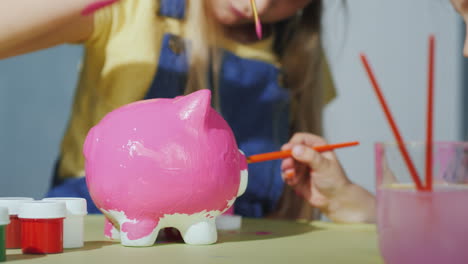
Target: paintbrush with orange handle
[(287, 153)]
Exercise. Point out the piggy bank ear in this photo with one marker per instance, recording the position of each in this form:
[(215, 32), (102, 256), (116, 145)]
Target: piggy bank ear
[(195, 107)]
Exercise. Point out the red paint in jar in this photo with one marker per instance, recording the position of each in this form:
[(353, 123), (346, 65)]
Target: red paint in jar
[(13, 230), (13, 233), (42, 227)]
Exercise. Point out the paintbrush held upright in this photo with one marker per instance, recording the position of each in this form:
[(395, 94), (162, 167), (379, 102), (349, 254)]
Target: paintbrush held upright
[(258, 24)]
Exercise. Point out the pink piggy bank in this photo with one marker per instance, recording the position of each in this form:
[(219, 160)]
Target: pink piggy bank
[(164, 163)]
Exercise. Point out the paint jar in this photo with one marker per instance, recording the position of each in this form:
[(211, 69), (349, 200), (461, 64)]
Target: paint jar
[(229, 220), (4, 221), (73, 226), (42, 227), (13, 230)]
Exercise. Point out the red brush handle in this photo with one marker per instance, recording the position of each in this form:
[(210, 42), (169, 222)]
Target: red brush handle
[(430, 113), (392, 123), (287, 153)]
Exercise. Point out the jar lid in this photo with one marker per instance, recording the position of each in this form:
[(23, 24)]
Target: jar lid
[(75, 206), (4, 216), (42, 210), (14, 203)]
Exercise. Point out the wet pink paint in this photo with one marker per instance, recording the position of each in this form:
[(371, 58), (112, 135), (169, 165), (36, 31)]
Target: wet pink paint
[(91, 8), (230, 211), (258, 30), (162, 156), (108, 228)]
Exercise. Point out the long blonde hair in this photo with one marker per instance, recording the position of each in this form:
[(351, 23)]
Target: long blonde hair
[(297, 44)]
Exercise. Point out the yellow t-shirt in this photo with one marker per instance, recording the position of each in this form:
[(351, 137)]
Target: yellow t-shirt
[(119, 65)]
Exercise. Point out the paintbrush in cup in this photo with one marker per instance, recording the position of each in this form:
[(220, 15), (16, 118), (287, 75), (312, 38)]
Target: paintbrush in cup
[(430, 113), (392, 123)]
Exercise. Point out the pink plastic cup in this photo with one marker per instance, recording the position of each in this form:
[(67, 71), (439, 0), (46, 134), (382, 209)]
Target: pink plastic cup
[(423, 227)]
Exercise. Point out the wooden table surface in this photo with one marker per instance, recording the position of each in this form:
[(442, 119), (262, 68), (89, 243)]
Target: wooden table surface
[(258, 241)]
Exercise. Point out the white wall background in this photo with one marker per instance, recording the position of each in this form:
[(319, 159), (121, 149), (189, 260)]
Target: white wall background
[(394, 36), (36, 89), (35, 98)]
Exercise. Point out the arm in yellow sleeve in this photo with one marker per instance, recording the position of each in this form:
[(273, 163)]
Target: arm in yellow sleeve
[(31, 25)]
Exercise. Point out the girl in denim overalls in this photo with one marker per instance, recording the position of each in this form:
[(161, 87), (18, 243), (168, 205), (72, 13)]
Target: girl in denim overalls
[(266, 89)]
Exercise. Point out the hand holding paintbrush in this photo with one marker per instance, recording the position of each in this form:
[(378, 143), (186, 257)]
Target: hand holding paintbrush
[(315, 174)]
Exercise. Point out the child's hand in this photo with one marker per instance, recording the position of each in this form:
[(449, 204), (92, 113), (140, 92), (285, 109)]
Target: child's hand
[(314, 176), (320, 179)]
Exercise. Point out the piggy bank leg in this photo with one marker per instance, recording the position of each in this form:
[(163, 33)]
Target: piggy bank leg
[(200, 233), (110, 231), (139, 233)]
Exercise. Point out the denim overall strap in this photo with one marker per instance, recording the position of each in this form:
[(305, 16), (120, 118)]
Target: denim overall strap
[(257, 108), (172, 8)]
